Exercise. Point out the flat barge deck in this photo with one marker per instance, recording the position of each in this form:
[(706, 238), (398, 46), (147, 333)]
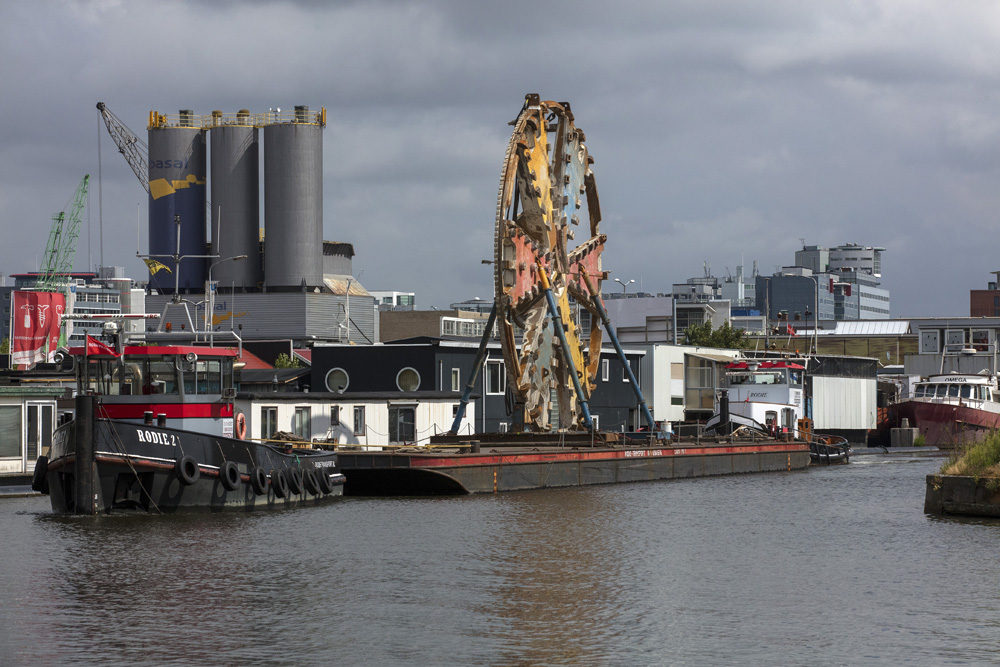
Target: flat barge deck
[(459, 466)]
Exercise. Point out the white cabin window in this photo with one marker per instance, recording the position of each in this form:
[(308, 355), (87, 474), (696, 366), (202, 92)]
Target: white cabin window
[(456, 379), (359, 420), (402, 423), (302, 423), (335, 415), (268, 421), (10, 431), (605, 363)]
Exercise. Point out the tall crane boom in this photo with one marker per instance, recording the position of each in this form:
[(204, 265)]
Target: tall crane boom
[(131, 146), (61, 247)]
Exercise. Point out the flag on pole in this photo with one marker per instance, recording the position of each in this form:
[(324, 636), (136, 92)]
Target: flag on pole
[(95, 346), (791, 331), (155, 266)]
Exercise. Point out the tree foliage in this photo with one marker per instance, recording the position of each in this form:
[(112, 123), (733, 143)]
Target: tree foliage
[(283, 361), (704, 335), (5, 346)]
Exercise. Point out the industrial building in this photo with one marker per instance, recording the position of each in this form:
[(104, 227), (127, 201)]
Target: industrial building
[(278, 279), (107, 292)]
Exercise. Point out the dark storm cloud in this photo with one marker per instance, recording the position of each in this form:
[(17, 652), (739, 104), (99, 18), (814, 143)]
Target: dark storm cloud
[(722, 132)]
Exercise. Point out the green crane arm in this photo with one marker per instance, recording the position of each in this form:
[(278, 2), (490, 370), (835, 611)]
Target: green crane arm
[(61, 247)]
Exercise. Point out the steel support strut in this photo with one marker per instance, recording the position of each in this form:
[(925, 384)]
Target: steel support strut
[(564, 347), (480, 355), (595, 298)]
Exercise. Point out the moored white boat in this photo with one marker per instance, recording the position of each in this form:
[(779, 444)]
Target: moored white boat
[(763, 394)]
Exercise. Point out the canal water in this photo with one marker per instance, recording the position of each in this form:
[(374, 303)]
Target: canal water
[(831, 566)]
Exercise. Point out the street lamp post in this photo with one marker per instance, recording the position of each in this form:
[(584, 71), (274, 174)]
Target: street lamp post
[(210, 290), (624, 284), (815, 344)]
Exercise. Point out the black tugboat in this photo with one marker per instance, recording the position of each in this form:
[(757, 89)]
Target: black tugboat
[(156, 430)]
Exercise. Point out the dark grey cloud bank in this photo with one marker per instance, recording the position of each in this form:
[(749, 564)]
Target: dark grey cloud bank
[(722, 132)]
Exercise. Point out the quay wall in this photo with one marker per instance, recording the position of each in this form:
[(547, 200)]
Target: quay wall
[(957, 494)]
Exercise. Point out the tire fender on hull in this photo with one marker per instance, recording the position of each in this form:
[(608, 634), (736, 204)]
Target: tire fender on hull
[(258, 480), (325, 485), (310, 479), (229, 474), (187, 470), (39, 479), (295, 480), (279, 483)]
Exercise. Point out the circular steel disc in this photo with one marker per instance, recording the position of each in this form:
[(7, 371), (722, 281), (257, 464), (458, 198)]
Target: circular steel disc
[(547, 219)]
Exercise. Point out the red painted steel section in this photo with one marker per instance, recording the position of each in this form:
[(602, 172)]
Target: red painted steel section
[(524, 266), (171, 410), (947, 425), (429, 461)]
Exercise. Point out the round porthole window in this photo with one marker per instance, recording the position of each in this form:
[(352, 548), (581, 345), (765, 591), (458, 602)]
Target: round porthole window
[(408, 379), (337, 380)]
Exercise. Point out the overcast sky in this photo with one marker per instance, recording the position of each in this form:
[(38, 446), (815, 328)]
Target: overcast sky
[(722, 132)]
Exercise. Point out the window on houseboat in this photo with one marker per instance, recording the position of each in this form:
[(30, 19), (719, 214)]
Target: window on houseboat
[(920, 391), (302, 423), (268, 421), (953, 391), (402, 426), (10, 431), (942, 391), (359, 420), (966, 391)]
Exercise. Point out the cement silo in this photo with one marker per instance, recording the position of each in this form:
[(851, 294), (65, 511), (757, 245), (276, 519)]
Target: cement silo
[(293, 200), (177, 188), (235, 200)]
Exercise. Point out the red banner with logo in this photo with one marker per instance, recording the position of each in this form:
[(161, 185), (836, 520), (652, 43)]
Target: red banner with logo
[(36, 318)]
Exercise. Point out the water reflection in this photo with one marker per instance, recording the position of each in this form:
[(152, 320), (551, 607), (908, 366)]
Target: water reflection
[(736, 570), (557, 560)]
